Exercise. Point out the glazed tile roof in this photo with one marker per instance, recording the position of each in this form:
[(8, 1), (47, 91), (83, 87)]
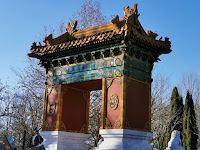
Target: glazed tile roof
[(94, 39), (129, 27)]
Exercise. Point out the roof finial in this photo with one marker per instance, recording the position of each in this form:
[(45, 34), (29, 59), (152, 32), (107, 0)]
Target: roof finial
[(128, 11), (71, 28), (135, 8)]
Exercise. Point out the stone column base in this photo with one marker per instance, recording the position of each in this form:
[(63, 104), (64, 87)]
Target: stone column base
[(60, 140), (124, 139)]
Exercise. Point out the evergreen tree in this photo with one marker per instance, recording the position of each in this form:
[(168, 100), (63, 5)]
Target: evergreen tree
[(185, 114), (175, 114), (190, 132)]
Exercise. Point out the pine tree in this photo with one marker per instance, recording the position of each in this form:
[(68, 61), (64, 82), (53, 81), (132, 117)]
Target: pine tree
[(189, 125), (175, 114)]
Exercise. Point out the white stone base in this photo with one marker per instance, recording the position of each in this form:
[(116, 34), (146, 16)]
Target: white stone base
[(60, 140), (124, 139)]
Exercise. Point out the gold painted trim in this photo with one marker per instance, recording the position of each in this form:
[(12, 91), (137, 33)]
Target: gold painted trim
[(119, 81), (93, 30), (123, 101), (103, 105), (109, 82), (44, 109), (60, 104)]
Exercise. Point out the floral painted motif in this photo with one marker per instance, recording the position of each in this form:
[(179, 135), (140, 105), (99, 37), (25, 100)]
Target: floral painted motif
[(46, 126), (49, 74), (118, 62), (62, 127), (119, 81), (49, 90), (117, 123), (54, 125), (52, 107), (58, 72), (107, 123), (114, 102), (117, 73), (109, 82)]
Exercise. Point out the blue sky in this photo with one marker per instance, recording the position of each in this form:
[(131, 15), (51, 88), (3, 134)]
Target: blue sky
[(21, 21)]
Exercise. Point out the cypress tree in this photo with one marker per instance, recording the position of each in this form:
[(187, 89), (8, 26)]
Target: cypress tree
[(175, 114), (189, 125), (189, 130), (185, 114)]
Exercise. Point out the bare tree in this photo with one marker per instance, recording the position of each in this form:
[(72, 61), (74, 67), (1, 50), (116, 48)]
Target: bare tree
[(26, 108), (159, 109), (90, 15), (27, 101), (94, 118), (190, 81)]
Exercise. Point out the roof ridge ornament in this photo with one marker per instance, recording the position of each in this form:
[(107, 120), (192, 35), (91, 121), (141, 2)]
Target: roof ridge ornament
[(129, 12), (71, 28), (67, 36)]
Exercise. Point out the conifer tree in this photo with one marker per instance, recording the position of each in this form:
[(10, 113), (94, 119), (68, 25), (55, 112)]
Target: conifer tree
[(190, 132), (175, 114)]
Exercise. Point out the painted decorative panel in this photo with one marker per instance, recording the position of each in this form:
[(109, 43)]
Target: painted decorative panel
[(117, 123), (113, 102), (52, 107), (103, 68), (107, 123)]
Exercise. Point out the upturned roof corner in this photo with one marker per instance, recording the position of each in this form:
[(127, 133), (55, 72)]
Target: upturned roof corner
[(128, 29)]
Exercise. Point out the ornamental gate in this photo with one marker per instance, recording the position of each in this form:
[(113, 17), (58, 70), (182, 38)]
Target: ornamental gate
[(116, 57)]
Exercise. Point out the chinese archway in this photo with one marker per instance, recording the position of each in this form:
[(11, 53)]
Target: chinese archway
[(116, 58)]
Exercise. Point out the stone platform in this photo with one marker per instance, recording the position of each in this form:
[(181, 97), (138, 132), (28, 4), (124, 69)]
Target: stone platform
[(60, 140), (124, 139)]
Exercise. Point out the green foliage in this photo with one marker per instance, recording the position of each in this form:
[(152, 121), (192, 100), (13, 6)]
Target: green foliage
[(190, 131), (175, 114)]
